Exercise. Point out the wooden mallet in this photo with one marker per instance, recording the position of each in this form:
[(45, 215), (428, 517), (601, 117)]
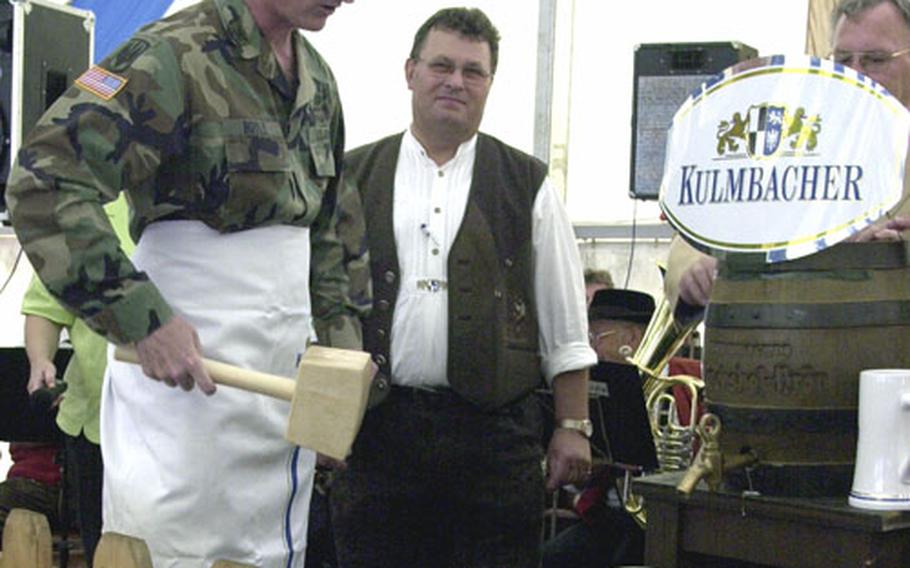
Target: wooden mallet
[(328, 398)]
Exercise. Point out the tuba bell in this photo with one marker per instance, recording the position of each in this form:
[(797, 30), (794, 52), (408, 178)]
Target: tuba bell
[(661, 340)]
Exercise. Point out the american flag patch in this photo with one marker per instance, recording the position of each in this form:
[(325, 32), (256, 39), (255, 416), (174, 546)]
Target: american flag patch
[(101, 82)]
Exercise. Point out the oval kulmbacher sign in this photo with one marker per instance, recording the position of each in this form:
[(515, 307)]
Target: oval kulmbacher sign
[(783, 157)]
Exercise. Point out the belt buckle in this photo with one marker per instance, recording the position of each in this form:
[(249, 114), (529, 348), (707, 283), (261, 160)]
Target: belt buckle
[(432, 285)]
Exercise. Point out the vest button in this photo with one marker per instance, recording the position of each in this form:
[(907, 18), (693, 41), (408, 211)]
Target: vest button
[(389, 277), (382, 383), (383, 305), (380, 359), (497, 294), (509, 263), (380, 333)]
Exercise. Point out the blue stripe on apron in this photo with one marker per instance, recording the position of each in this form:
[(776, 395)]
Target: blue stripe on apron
[(289, 539)]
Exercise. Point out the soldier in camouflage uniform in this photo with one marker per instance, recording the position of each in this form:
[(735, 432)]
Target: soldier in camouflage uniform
[(223, 127)]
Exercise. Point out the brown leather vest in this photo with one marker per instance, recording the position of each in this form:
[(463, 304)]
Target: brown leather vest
[(493, 352)]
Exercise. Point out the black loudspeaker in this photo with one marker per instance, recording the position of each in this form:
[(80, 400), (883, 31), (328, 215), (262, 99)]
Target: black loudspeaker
[(664, 75), (44, 47)]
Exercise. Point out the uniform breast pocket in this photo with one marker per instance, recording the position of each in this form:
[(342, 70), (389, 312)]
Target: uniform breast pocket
[(259, 176)]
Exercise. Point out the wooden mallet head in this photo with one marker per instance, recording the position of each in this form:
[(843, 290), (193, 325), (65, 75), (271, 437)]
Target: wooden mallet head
[(329, 400)]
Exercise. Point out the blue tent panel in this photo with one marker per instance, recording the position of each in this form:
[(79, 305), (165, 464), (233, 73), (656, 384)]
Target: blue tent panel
[(117, 20)]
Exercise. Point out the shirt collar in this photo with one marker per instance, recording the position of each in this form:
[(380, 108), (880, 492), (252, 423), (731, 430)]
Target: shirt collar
[(246, 36), (241, 28), (466, 150)]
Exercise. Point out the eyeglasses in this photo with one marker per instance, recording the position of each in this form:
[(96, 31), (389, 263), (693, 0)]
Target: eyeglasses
[(868, 60), (472, 74), (594, 338)]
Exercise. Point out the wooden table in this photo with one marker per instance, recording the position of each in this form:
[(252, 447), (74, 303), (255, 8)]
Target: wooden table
[(727, 529)]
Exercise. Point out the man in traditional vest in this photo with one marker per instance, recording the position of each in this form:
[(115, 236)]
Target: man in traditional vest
[(872, 37), (478, 298)]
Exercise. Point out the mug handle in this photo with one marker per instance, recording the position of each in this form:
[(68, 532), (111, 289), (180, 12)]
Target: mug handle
[(905, 467)]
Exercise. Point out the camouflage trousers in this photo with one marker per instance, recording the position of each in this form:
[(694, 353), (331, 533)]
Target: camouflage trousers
[(23, 493)]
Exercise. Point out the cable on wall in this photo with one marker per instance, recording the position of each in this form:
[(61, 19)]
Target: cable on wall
[(632, 241)]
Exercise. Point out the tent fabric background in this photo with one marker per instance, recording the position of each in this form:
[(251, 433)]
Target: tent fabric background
[(116, 21)]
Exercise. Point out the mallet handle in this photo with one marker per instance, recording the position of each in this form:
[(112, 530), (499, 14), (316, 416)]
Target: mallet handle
[(229, 375)]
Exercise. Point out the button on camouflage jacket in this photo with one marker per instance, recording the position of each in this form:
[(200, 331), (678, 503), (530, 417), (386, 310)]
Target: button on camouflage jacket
[(193, 119)]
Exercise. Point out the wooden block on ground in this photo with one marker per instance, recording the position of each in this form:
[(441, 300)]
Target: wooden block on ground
[(121, 551), (27, 540)]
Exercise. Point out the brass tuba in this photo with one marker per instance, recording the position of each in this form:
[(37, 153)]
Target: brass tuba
[(673, 441), (661, 340)]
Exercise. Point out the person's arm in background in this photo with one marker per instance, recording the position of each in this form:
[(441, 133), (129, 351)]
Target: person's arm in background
[(689, 279), (45, 318), (42, 337)]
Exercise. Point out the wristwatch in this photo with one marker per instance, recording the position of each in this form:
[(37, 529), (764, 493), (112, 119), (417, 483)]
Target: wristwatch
[(583, 427)]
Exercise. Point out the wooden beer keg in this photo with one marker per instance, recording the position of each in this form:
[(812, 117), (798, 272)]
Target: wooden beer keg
[(784, 346)]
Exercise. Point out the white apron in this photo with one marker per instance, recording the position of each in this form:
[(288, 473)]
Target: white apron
[(205, 478)]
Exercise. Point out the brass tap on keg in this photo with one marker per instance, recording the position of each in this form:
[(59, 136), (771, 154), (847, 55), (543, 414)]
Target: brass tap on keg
[(709, 464)]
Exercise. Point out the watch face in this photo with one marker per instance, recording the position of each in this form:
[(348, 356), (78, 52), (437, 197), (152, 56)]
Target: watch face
[(587, 428)]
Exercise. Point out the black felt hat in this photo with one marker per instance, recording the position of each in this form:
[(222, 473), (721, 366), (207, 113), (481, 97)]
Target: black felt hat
[(625, 305)]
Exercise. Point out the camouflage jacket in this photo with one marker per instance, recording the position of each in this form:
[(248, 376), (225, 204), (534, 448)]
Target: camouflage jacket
[(193, 119)]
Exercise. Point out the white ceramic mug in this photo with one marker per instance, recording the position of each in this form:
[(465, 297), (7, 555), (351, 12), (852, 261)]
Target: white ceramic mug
[(881, 479)]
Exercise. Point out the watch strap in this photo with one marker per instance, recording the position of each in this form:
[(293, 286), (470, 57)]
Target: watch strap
[(583, 426)]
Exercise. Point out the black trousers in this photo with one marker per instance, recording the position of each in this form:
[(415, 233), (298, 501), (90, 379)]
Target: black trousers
[(609, 538), (433, 481), (83, 459)]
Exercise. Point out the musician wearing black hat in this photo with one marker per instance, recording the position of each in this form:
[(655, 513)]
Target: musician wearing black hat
[(607, 535), (616, 322)]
